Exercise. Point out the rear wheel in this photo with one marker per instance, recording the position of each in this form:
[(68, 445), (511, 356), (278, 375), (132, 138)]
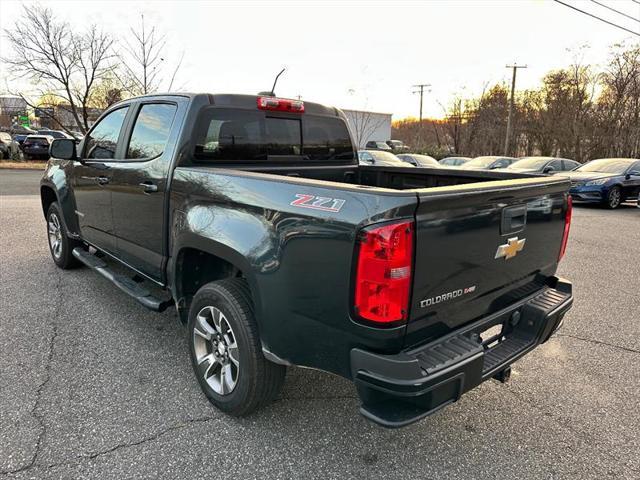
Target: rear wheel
[(60, 245), (226, 352), (614, 198)]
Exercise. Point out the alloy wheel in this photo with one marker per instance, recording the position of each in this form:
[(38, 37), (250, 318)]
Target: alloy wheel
[(55, 235), (614, 198), (216, 350)]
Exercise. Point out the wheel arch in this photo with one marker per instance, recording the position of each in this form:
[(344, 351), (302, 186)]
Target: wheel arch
[(197, 261), (48, 196)]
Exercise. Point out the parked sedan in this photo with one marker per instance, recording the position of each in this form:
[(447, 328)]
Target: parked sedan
[(380, 158), (549, 165), (417, 160), (37, 146), (608, 181), (9, 148), (488, 162), (454, 161)]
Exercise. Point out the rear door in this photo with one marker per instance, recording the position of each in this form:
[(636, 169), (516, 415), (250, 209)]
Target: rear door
[(482, 246), (631, 181), (92, 176), (140, 182)]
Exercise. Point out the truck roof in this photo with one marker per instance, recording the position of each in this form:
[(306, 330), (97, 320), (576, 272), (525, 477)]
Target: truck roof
[(238, 100)]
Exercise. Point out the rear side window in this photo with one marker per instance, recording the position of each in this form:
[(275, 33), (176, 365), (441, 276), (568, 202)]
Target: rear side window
[(101, 143), (244, 135), (326, 138), (151, 131)]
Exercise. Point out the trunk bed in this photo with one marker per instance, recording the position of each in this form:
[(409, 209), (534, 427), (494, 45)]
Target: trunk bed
[(462, 217)]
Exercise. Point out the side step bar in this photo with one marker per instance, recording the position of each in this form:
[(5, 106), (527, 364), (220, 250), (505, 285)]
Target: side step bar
[(127, 285)]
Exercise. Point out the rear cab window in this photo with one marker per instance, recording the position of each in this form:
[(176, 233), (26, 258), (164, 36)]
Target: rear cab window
[(227, 135)]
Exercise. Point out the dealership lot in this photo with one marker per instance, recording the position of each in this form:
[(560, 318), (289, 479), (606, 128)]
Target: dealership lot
[(93, 385)]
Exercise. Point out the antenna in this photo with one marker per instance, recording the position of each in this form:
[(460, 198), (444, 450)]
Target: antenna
[(273, 89), (272, 93)]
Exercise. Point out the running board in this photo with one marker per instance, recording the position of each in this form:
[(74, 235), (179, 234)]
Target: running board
[(124, 283)]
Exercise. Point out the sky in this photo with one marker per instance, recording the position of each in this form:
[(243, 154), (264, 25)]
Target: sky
[(355, 54)]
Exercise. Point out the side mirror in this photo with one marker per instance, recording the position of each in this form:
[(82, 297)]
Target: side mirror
[(548, 170), (634, 173), (63, 148)]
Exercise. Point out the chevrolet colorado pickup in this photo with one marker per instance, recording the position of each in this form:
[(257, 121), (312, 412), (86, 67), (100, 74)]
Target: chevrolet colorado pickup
[(251, 216)]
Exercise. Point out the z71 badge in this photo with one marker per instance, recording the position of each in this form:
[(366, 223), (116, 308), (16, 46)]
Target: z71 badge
[(318, 203)]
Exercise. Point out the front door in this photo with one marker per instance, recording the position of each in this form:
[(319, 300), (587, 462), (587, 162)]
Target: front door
[(139, 185), (92, 177)]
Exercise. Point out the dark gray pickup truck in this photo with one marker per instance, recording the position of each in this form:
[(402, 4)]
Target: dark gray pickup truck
[(251, 216)]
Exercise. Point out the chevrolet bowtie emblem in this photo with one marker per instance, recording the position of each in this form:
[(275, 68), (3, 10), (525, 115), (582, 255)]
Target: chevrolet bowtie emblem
[(511, 248)]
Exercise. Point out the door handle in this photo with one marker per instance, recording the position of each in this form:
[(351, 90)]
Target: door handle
[(148, 187), (102, 180), (514, 219)]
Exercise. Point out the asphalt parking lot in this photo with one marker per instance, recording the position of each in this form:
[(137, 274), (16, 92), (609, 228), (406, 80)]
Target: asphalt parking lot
[(93, 385)]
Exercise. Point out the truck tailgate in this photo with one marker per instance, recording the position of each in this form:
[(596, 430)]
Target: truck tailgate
[(480, 247)]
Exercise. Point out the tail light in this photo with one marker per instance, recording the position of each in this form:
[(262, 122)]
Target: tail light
[(567, 226), (280, 104), (383, 273)]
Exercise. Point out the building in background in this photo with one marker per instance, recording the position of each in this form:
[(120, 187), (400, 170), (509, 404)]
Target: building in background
[(63, 115), (366, 126), (11, 110)]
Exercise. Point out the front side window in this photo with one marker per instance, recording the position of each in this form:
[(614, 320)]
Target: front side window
[(101, 143), (570, 164), (501, 164), (151, 131), (556, 165)]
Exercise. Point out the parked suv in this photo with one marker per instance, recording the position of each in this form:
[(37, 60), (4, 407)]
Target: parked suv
[(374, 145), (36, 146)]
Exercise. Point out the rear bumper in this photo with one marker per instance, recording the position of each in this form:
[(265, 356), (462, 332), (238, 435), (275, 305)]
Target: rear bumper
[(397, 390)]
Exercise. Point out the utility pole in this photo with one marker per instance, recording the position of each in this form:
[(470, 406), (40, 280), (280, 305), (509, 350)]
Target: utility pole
[(420, 90), (515, 68)]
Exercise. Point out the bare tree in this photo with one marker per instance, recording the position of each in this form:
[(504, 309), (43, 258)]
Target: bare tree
[(363, 125), (143, 61), (62, 63)]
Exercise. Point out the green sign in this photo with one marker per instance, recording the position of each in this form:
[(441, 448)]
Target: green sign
[(24, 121)]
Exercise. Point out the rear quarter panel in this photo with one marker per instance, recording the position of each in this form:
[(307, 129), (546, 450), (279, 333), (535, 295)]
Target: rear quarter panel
[(298, 260)]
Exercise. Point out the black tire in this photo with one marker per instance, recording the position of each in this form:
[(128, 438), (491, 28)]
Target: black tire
[(614, 198), (258, 381), (61, 253)]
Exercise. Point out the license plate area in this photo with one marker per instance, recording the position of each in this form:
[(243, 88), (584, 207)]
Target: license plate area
[(492, 336)]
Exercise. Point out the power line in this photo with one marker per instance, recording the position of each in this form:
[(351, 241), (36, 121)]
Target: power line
[(598, 18), (617, 11)]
